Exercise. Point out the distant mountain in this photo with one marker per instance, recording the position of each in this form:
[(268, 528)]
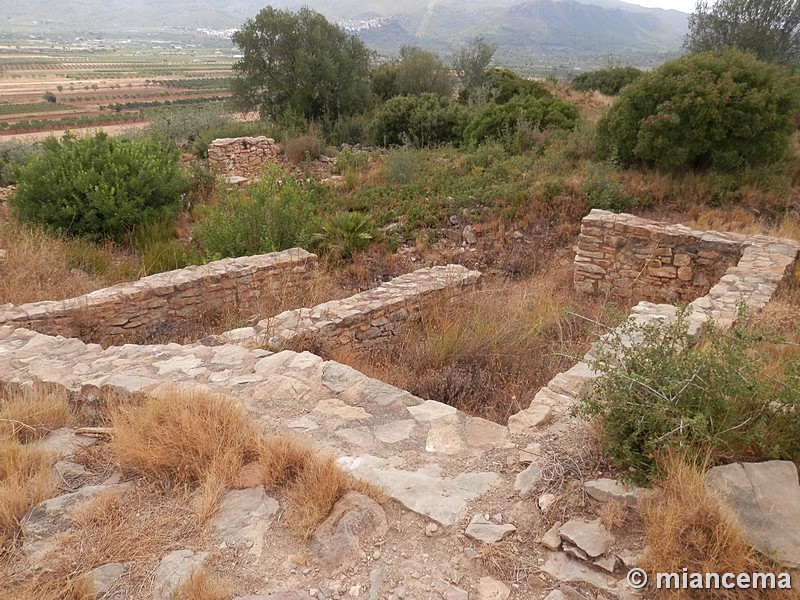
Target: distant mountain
[(581, 25)]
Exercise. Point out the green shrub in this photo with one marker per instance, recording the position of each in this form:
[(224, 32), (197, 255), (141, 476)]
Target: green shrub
[(349, 160), (501, 85), (497, 121), (402, 166), (606, 81), (98, 187), (419, 121), (277, 213), (346, 233), (719, 110), (13, 155), (708, 396)]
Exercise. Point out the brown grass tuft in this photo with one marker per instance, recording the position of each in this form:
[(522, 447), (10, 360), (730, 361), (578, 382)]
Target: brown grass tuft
[(28, 415), (202, 586), (613, 514), (313, 493), (687, 527), (26, 478)]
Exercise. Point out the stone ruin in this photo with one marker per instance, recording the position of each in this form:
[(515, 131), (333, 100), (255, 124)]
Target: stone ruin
[(241, 157), (471, 481)]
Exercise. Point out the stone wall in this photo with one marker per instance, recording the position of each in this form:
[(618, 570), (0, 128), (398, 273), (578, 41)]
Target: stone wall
[(241, 157), (624, 255), (362, 320), (122, 310)]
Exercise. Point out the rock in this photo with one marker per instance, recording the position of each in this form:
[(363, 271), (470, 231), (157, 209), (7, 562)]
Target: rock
[(285, 595), (244, 517), (764, 500), (607, 563), (395, 431), (449, 591), (546, 501), (103, 578), (468, 234), (174, 570), (42, 522), (565, 593), (589, 536), (336, 544), (64, 442), (567, 569), (552, 539), (70, 470), (575, 552), (606, 490), (631, 559), (250, 475), (430, 410), (491, 589), (336, 408), (376, 579), (430, 529), (483, 530), (528, 420), (527, 479)]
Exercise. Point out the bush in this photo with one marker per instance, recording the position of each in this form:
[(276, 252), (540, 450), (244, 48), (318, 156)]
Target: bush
[(303, 148), (13, 155), (709, 396), (420, 121), (501, 85), (719, 110), (278, 214), (345, 234), (497, 121), (606, 81), (98, 187)]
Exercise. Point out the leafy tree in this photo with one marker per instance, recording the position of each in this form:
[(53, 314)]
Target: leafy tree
[(606, 81), (49, 97), (470, 63), (770, 29), (703, 110), (417, 72), (299, 64), (424, 120), (99, 187)]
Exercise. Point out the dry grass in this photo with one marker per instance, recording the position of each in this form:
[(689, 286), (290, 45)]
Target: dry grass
[(686, 527), (613, 514), (38, 266), (29, 414), (202, 586), (485, 352), (26, 478)]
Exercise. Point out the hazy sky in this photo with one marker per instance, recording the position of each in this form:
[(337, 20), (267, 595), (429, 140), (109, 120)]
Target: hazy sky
[(686, 6)]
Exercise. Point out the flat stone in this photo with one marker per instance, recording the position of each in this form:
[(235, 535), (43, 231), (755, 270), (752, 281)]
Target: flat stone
[(530, 419), (395, 431), (485, 531), (424, 491), (102, 579), (764, 500), (480, 433), (567, 569), (338, 377), (606, 490), (244, 517), (491, 589), (607, 563), (376, 579), (279, 388), (450, 592), (337, 543), (374, 391), (358, 437), (304, 423), (589, 536), (284, 595), (430, 410), (526, 480), (64, 442), (174, 570), (443, 438), (336, 408)]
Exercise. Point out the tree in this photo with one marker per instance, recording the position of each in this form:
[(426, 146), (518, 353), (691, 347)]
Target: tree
[(299, 64), (417, 72), (49, 97), (720, 110), (470, 63), (770, 29)]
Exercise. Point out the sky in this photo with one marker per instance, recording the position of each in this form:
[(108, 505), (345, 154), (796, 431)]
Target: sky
[(686, 6)]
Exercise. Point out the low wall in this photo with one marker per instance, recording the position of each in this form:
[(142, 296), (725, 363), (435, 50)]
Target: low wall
[(362, 320), (128, 308), (243, 156), (627, 256)]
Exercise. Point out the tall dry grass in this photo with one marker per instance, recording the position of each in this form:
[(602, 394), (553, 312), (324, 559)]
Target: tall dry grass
[(487, 352), (686, 527), (29, 414)]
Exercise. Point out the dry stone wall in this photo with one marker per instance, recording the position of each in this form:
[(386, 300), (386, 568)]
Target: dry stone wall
[(624, 255), (241, 157), (362, 320), (124, 309)]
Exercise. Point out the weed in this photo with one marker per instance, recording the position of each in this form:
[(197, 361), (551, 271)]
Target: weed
[(302, 149)]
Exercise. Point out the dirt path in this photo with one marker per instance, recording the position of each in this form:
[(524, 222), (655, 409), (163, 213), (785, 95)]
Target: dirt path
[(78, 131)]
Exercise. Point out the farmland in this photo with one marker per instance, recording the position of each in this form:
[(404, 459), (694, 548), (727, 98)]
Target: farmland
[(47, 88)]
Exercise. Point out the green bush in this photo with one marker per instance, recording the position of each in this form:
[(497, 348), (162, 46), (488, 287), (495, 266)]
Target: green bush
[(502, 85), (709, 396), (13, 155), (419, 121), (719, 110), (606, 81), (98, 187), (346, 233), (277, 213), (497, 121)]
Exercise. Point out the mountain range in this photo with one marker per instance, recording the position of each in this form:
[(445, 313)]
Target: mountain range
[(597, 26)]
